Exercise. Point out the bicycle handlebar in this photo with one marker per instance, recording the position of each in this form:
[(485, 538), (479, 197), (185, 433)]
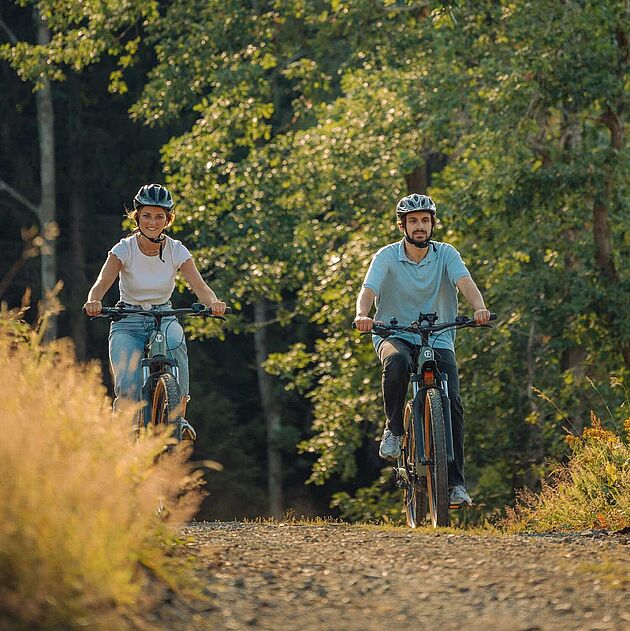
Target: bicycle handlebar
[(461, 322), (197, 309)]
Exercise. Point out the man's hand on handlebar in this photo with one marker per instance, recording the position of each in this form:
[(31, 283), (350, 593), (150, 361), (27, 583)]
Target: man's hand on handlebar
[(481, 317), (363, 324)]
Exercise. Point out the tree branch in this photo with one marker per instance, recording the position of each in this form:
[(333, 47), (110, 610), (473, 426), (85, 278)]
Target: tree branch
[(422, 8), (19, 197), (12, 38)]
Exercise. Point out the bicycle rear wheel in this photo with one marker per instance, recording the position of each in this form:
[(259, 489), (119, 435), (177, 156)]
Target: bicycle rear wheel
[(435, 452), (167, 404), (409, 468)]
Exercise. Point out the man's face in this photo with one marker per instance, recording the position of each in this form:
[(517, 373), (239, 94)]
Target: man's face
[(418, 225)]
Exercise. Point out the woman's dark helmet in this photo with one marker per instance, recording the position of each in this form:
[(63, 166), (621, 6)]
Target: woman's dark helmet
[(153, 195)]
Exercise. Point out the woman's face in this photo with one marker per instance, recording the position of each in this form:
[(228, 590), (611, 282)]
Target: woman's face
[(152, 220)]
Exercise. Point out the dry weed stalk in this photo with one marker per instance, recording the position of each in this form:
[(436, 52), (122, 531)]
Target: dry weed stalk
[(78, 497)]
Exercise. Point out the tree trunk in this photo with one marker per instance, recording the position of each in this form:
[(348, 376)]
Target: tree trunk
[(271, 411), (78, 284), (601, 224), (418, 180), (47, 205)]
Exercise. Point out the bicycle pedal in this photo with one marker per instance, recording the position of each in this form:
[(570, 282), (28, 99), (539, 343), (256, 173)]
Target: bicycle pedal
[(400, 477), (458, 506)]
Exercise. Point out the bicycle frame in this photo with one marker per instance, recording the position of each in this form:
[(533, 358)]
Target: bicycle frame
[(431, 418), (428, 376), (155, 361)]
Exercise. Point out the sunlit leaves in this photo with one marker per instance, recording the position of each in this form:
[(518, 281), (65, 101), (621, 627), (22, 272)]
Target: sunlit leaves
[(82, 33)]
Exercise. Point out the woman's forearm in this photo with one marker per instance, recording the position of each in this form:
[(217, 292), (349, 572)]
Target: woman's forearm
[(205, 295), (105, 280)]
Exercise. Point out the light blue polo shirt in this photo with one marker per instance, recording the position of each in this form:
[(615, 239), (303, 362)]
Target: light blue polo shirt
[(404, 289)]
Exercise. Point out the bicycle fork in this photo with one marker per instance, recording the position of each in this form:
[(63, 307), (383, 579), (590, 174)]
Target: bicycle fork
[(156, 351)]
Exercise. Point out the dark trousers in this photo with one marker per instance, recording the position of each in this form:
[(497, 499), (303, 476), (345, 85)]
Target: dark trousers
[(398, 359)]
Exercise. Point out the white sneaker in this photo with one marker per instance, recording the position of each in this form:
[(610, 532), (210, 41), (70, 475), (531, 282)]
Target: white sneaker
[(459, 497), (390, 446), (187, 430)]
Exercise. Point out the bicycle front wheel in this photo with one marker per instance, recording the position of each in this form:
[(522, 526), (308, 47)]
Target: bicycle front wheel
[(410, 469), (167, 402), (435, 452)]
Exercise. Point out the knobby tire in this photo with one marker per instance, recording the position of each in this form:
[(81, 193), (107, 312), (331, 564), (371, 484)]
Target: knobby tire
[(415, 489), (167, 404), (435, 452)]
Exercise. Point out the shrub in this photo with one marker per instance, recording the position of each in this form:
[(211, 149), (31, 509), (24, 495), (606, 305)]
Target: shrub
[(375, 503), (591, 491), (79, 531)]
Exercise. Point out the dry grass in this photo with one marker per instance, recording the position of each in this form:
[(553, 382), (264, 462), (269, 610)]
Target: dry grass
[(79, 532), (591, 492)]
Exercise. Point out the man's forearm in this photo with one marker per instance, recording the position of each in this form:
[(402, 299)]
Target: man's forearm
[(471, 292), (365, 302)]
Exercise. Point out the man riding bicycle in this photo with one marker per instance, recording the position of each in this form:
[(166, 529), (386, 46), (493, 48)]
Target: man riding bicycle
[(413, 275)]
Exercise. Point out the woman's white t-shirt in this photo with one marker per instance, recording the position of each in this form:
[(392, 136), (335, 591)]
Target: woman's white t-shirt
[(146, 280)]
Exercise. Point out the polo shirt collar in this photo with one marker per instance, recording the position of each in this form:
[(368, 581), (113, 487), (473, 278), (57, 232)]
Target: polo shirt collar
[(402, 255)]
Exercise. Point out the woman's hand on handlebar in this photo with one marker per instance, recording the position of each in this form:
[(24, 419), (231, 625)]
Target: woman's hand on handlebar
[(218, 308), (363, 324), (93, 308)]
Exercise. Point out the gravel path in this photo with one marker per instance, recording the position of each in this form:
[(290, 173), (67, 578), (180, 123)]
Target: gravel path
[(351, 578)]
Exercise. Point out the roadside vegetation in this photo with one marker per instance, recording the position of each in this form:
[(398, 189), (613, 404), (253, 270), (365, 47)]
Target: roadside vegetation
[(81, 543), (590, 491)]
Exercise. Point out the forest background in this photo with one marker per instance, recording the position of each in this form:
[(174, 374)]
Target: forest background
[(287, 130)]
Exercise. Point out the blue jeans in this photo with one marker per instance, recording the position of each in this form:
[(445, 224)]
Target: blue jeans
[(127, 339)]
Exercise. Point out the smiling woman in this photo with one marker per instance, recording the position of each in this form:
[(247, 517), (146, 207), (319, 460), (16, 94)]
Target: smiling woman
[(153, 213), (147, 262), (151, 221)]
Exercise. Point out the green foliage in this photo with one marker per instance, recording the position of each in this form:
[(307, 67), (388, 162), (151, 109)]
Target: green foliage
[(529, 158), (376, 503), (82, 33)]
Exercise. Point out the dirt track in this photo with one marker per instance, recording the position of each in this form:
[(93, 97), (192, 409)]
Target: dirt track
[(339, 577)]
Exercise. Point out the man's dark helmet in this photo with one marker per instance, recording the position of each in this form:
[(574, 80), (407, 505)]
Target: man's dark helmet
[(153, 195), (414, 203)]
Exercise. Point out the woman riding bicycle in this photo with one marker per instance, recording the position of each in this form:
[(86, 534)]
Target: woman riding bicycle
[(146, 263)]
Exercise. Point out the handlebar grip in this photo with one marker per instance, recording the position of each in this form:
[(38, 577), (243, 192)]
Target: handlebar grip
[(493, 316), (354, 325), (199, 307), (227, 310)]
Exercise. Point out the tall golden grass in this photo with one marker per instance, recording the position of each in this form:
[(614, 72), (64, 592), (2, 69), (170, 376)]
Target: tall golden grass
[(591, 491), (79, 531)]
